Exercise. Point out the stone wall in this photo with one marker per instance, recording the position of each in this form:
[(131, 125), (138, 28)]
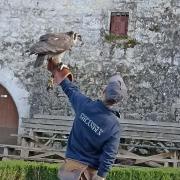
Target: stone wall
[(151, 69)]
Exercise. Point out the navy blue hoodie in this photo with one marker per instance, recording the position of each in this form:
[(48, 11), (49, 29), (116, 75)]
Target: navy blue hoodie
[(95, 135)]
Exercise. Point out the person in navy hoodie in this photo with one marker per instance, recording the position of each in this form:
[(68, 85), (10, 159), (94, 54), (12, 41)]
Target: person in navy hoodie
[(95, 135)]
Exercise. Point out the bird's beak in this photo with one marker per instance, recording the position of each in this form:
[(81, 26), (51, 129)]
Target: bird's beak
[(82, 43), (80, 39)]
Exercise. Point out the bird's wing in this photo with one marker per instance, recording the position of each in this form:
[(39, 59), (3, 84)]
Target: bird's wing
[(52, 44), (45, 37), (45, 48), (59, 41)]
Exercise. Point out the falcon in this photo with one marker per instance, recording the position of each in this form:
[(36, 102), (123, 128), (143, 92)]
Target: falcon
[(52, 46)]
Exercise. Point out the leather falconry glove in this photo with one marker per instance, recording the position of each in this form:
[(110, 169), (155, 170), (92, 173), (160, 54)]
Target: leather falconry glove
[(59, 73)]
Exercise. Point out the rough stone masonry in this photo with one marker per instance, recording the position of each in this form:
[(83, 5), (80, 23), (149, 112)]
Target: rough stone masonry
[(151, 69)]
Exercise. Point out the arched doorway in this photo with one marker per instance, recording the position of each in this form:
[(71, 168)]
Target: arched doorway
[(8, 117)]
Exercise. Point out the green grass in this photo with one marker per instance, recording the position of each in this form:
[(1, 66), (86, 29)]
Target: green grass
[(21, 170)]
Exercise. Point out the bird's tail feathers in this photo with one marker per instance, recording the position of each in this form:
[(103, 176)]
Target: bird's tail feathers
[(39, 60)]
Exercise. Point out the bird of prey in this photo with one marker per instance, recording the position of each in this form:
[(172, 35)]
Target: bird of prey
[(52, 46)]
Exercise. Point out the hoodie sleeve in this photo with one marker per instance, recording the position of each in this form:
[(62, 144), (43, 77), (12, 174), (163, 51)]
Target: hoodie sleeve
[(75, 96), (108, 156)]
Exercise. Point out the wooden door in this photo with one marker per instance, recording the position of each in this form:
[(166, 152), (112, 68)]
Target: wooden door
[(8, 117), (119, 24)]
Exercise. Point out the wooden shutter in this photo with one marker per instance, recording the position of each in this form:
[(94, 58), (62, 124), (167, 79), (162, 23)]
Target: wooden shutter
[(119, 24)]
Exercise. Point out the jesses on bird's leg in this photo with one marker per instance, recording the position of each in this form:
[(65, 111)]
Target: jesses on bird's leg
[(50, 84)]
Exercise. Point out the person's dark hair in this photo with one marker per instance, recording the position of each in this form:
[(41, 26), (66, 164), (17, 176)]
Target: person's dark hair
[(110, 102)]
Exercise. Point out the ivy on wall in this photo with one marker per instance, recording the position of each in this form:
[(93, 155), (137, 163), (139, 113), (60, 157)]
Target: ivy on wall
[(121, 41)]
